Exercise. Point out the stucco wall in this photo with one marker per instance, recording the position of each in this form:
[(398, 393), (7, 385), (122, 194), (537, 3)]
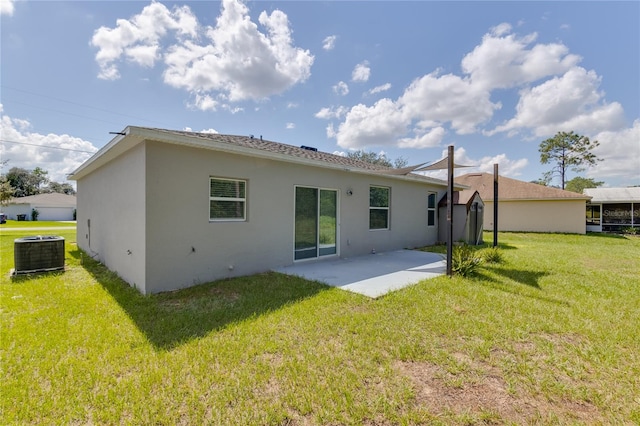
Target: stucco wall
[(112, 199), (537, 216), (184, 248)]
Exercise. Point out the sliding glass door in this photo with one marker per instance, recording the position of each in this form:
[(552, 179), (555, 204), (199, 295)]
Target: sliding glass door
[(316, 229)]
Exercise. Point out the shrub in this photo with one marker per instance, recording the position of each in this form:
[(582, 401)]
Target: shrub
[(492, 255), (464, 260), (632, 230), (34, 214)]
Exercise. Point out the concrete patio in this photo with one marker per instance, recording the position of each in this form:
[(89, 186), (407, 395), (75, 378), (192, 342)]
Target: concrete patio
[(372, 275)]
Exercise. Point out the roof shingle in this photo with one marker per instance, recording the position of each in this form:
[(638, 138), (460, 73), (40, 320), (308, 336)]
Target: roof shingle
[(279, 148), (513, 189)]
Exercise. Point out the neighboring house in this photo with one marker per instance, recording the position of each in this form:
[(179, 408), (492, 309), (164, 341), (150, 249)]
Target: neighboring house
[(171, 209), (528, 207), (53, 206), (468, 217), (612, 209)]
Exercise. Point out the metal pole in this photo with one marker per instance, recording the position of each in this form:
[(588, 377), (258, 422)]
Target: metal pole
[(495, 205), (450, 211)]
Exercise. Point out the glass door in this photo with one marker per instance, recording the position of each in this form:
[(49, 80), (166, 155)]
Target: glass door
[(327, 220), (315, 223)]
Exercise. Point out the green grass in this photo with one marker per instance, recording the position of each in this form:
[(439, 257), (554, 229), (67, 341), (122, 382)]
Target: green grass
[(548, 336), (35, 224)]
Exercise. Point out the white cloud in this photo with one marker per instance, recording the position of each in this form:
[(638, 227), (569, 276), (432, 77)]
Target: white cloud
[(329, 42), (331, 133), (361, 72), (57, 154), (204, 102), (377, 125), (235, 60), (434, 99), (332, 112), (138, 38), (209, 131), (7, 7), (290, 126), (427, 103), (503, 60), (341, 88), (566, 103), (429, 139), (555, 95), (620, 154), (240, 62), (379, 89)]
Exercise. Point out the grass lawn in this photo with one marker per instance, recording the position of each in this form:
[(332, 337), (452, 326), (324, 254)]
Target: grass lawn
[(549, 336), (36, 224)]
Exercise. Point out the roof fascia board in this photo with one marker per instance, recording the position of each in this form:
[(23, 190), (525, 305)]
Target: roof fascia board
[(114, 148)]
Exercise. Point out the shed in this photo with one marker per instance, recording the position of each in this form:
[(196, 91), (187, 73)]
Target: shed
[(468, 217)]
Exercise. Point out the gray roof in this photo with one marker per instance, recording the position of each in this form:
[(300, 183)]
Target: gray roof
[(514, 190), (242, 145), (53, 199), (614, 195), (280, 148)]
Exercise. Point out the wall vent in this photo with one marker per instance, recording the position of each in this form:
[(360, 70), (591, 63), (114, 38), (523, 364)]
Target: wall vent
[(38, 254)]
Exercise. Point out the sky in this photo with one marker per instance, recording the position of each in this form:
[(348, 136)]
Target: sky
[(407, 79)]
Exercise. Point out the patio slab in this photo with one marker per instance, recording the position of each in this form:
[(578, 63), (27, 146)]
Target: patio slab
[(372, 275)]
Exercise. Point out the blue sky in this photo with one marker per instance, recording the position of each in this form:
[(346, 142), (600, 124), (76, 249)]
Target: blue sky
[(404, 78)]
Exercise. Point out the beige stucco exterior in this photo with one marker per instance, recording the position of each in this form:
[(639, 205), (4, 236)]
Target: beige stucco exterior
[(148, 210), (566, 216), (111, 216)]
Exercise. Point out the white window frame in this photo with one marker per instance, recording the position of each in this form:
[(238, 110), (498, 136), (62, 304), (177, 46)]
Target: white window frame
[(387, 208), (241, 199), (433, 209)]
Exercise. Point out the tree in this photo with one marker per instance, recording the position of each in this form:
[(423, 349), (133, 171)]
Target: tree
[(62, 188), (379, 159), (25, 182), (6, 191), (568, 151), (578, 184)]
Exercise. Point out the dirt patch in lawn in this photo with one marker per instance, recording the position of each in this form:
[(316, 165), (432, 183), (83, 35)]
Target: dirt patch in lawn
[(481, 390)]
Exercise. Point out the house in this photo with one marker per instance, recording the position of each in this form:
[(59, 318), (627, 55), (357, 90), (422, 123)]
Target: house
[(171, 209), (468, 217), (612, 209), (528, 207), (53, 206)]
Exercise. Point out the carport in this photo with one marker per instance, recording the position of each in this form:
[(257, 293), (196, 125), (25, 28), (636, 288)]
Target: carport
[(372, 275)]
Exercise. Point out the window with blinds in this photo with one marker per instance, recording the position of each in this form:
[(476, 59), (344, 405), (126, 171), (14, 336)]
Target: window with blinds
[(227, 199)]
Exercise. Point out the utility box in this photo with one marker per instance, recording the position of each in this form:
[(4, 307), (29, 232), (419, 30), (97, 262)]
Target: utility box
[(38, 254)]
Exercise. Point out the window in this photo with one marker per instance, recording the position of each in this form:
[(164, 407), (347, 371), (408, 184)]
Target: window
[(227, 199), (593, 215), (379, 207), (431, 209)]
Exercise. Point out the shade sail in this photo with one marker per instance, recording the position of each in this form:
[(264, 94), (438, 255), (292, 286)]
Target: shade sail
[(439, 165)]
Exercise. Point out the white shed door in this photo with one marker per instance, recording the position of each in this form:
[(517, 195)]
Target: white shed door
[(55, 213)]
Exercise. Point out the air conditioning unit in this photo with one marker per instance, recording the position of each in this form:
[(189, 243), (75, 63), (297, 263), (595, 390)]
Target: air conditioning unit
[(38, 254)]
